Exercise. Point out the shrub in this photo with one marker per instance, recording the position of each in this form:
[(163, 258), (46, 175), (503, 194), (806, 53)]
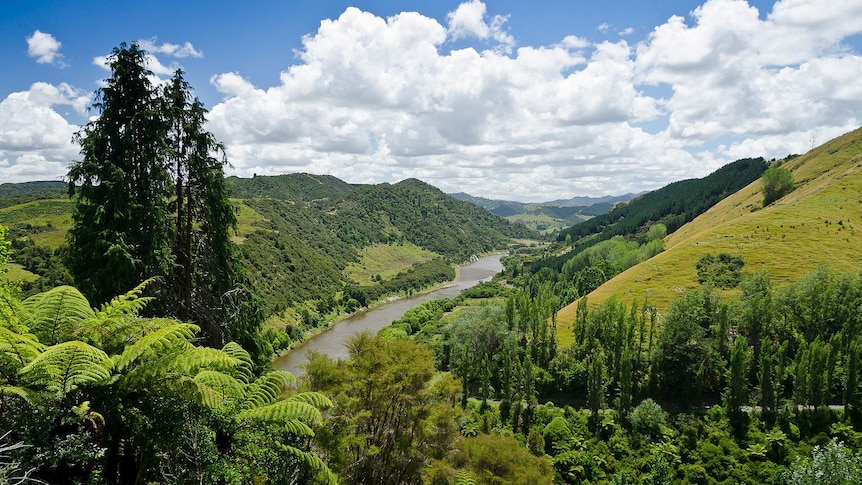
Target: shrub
[(776, 182)]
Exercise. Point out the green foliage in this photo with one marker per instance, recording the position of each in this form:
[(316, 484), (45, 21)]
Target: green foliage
[(648, 418), (159, 409), (500, 459), (388, 420), (776, 182), (722, 271), (832, 464)]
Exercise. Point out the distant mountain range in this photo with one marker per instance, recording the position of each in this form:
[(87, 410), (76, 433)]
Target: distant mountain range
[(548, 217)]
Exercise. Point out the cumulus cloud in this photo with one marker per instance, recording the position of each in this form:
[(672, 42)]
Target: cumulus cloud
[(44, 48), (458, 103), (468, 20), (35, 140), (374, 99)]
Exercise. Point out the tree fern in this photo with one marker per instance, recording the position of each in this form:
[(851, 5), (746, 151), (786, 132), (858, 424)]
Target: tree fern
[(128, 304), (22, 392), (313, 462), (463, 477), (12, 311), (284, 412), (244, 371), (315, 399), (217, 389), (58, 314), (158, 343), (64, 367), (16, 350), (267, 388)]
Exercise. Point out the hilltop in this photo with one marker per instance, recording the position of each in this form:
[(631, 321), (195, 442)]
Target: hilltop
[(816, 224)]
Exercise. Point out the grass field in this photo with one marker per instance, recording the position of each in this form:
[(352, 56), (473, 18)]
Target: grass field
[(819, 223), (247, 221), (387, 260), (16, 272), (51, 218)]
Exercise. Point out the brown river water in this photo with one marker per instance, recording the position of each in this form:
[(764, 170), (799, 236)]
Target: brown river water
[(332, 342)]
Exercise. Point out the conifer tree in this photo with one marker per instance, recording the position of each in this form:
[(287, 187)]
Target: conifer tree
[(121, 233)]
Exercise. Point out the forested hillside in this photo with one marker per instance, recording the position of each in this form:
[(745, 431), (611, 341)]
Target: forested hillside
[(672, 205), (298, 187), (302, 233)]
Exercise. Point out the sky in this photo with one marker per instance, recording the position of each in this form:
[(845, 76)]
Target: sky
[(528, 101)]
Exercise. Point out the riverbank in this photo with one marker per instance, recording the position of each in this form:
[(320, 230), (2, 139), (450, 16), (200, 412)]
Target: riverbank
[(332, 341), (386, 300)]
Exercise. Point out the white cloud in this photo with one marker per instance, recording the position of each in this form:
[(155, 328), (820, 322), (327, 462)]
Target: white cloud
[(376, 100), (734, 73), (175, 50), (35, 140), (373, 100), (468, 20), (44, 48)]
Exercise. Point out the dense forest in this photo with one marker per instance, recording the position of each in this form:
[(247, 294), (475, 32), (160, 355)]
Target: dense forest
[(144, 356)]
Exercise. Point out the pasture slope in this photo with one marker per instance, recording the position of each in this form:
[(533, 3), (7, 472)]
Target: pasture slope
[(818, 223)]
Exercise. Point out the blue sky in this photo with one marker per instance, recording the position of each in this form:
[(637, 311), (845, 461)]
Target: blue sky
[(518, 100)]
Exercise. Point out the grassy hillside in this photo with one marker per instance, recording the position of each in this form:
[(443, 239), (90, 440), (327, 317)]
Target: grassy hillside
[(819, 223)]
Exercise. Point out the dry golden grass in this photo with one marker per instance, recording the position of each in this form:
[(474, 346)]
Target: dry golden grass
[(819, 223)]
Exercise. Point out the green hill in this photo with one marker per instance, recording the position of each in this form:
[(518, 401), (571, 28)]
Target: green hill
[(672, 205), (298, 187), (306, 237), (816, 224)]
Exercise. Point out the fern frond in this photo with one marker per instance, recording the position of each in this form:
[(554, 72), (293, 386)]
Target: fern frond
[(22, 392), (12, 311), (117, 331), (267, 388), (312, 462), (316, 399), (63, 367), (156, 344), (216, 388), (57, 314), (463, 477), (195, 359), (244, 371), (285, 412), (16, 350), (128, 304)]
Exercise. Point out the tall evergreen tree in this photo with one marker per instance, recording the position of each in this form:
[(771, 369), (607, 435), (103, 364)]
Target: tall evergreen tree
[(121, 233), (153, 202), (206, 284)]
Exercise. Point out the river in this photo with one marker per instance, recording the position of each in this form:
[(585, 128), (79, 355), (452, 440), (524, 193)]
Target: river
[(332, 341)]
